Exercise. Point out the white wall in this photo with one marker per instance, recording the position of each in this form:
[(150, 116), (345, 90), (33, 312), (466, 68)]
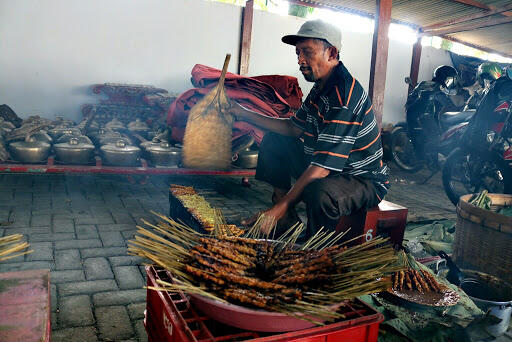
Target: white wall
[(53, 50)]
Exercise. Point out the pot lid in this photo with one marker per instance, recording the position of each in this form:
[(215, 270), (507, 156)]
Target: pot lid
[(74, 143), (138, 125), (42, 136), (120, 146), (82, 139), (115, 123), (30, 143), (163, 146)]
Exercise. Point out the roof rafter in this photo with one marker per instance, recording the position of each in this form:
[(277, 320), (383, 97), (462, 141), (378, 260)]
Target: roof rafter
[(470, 17), (478, 4), (488, 22)]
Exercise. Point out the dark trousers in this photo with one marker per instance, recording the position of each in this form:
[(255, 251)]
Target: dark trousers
[(282, 158)]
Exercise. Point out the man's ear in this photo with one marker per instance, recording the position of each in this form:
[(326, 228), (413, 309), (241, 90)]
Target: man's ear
[(333, 53)]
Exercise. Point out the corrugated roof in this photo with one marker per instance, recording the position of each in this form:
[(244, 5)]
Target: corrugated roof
[(422, 13)]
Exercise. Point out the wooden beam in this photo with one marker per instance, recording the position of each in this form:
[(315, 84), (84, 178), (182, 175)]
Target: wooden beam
[(478, 4), (245, 42), (483, 48), (379, 60), (415, 64), (488, 22), (470, 17)]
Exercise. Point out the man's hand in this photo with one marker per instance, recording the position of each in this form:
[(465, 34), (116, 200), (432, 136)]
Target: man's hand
[(271, 216)]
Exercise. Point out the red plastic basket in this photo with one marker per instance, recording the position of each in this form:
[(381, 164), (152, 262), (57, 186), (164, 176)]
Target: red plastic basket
[(170, 317)]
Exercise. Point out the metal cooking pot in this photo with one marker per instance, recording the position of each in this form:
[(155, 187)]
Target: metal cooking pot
[(120, 153), (138, 127), (115, 124), (30, 150), (74, 151), (162, 154), (246, 159)]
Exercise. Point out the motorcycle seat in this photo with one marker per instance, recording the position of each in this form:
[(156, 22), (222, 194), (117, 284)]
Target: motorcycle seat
[(449, 119)]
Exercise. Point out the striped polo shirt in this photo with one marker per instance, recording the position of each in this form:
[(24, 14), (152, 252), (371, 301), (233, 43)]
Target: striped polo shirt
[(340, 131)]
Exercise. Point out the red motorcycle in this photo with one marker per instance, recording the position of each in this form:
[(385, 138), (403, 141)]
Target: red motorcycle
[(484, 158)]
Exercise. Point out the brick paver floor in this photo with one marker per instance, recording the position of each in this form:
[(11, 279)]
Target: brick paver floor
[(78, 227)]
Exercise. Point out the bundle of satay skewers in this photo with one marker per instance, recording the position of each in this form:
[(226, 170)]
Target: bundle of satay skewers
[(413, 278), (260, 272), (12, 246)]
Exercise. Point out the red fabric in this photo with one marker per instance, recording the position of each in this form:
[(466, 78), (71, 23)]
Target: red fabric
[(287, 86), (251, 93)]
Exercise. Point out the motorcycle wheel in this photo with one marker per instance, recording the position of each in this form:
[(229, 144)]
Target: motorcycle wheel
[(402, 151), (462, 175)]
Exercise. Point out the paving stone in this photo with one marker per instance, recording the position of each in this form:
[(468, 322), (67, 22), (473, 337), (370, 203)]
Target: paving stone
[(113, 323), (128, 277), (103, 252), (141, 331), (85, 334), (97, 268), (136, 310), (96, 219), (126, 260), (112, 239), (129, 234), (26, 265), (114, 227), (72, 244), (51, 237), (86, 287), (124, 218), (62, 225), (68, 259), (41, 220), (87, 231), (123, 297), (54, 299), (28, 231), (75, 311), (58, 277), (41, 251)]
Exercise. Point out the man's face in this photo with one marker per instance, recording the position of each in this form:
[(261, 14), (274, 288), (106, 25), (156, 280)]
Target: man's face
[(313, 58)]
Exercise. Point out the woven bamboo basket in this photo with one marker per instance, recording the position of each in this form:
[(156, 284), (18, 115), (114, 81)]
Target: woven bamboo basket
[(483, 238), (207, 139)]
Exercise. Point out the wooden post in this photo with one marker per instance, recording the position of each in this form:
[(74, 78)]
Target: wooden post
[(415, 64), (245, 42), (380, 57)]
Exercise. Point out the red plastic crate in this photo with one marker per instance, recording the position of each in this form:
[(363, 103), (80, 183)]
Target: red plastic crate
[(170, 317)]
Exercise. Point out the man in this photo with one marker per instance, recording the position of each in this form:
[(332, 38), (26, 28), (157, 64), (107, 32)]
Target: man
[(331, 146)]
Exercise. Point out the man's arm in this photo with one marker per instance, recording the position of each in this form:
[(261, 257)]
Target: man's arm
[(272, 215), (283, 126)]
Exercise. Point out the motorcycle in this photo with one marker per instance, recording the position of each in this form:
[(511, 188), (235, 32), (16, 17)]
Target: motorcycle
[(427, 132), (484, 158)]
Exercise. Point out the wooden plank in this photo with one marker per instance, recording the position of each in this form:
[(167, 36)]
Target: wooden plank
[(467, 18), (245, 43), (483, 48), (415, 64), (488, 22), (379, 57), (478, 4)]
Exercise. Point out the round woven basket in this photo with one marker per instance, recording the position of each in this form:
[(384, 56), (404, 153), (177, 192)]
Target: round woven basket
[(483, 238)]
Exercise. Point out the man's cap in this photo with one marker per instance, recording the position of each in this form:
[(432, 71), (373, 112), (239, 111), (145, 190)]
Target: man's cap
[(316, 29)]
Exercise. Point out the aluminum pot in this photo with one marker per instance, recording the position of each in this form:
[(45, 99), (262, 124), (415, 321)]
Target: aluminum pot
[(115, 124), (162, 154), (74, 151), (138, 127), (111, 137), (246, 159), (120, 153), (30, 150)]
